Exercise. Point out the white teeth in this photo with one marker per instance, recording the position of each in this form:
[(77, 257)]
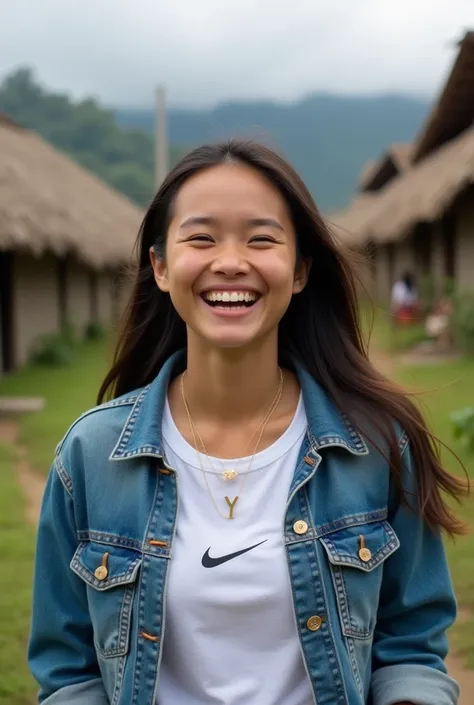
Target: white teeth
[(230, 296)]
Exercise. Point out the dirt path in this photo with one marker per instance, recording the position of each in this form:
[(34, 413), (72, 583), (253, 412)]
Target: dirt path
[(30, 482), (32, 485)]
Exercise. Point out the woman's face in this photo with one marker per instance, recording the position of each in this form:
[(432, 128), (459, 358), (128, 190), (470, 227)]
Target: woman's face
[(230, 264)]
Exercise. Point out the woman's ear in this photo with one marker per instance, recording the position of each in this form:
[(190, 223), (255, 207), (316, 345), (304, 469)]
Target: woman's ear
[(301, 274), (159, 270)]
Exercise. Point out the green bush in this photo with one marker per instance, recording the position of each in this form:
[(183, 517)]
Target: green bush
[(463, 422), (95, 331), (463, 321), (54, 350)]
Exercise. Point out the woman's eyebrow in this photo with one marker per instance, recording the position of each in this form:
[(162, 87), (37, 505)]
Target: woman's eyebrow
[(265, 222), (194, 220), (198, 220)]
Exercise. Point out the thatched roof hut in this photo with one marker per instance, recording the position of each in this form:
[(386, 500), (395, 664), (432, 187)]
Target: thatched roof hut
[(50, 203), (350, 224), (431, 173), (423, 193)]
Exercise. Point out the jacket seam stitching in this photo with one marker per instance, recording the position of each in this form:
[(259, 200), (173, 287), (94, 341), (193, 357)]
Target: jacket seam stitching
[(64, 476)]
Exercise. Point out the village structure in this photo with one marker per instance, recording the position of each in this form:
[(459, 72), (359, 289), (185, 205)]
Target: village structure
[(65, 241), (414, 209), (66, 237)]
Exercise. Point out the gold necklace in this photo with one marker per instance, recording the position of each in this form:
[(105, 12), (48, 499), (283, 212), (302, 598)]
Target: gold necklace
[(230, 504), (233, 474)]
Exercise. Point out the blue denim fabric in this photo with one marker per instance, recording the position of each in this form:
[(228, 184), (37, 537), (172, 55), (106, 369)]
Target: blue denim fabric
[(371, 631)]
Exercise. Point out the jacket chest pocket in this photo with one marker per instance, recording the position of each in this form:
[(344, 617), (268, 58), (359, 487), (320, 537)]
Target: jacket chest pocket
[(110, 574), (356, 555)]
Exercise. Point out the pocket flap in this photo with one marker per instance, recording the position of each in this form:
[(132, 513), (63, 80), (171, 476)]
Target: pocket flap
[(344, 546), (121, 565)]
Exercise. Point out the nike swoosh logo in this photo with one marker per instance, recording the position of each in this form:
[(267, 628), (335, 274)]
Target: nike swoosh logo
[(209, 562)]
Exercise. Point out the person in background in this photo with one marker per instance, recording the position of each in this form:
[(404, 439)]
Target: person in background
[(253, 514), (439, 324), (404, 300)]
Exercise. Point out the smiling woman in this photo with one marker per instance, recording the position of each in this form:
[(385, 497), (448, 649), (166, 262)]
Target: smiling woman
[(255, 515)]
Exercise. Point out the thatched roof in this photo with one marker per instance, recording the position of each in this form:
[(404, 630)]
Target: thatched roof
[(50, 203), (425, 192), (367, 171), (401, 155), (376, 174), (348, 225), (431, 173), (421, 194), (453, 112)]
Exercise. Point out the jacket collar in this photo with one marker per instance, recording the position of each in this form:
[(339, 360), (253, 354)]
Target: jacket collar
[(141, 434)]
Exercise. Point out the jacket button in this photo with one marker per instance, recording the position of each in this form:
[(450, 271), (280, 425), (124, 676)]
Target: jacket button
[(365, 555), (300, 527), (101, 572), (314, 623)]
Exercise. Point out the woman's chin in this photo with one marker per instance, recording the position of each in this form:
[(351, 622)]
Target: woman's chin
[(229, 338)]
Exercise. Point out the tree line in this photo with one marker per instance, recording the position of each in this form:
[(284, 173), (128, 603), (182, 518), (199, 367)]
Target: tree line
[(86, 131)]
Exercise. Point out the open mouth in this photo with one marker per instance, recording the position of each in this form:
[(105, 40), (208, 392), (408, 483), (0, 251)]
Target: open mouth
[(231, 300)]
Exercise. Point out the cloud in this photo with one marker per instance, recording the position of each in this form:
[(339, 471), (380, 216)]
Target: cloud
[(211, 50)]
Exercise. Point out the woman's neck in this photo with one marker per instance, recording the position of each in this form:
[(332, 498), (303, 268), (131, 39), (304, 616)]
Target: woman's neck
[(227, 385)]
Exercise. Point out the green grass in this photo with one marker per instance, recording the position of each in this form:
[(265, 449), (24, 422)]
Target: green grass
[(449, 387), (17, 686), (391, 339), (68, 392)]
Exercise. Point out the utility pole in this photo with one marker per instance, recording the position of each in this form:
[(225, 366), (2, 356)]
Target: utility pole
[(161, 137)]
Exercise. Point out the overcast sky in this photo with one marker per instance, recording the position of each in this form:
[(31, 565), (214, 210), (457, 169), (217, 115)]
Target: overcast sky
[(206, 51)]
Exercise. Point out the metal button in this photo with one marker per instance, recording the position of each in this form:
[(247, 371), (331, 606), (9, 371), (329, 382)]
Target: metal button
[(102, 571), (314, 623), (365, 554), (300, 527)]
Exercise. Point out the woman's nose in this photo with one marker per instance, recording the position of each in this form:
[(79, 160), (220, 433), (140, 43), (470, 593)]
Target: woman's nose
[(230, 262)]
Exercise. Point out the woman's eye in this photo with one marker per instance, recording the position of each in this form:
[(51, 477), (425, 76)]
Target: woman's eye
[(201, 237), (262, 239)]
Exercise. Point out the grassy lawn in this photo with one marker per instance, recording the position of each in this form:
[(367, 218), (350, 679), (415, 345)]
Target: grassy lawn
[(388, 338), (68, 392), (447, 388), (442, 389), (16, 558)]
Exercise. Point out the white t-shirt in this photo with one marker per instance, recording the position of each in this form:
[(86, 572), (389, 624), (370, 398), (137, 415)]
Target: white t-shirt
[(230, 635)]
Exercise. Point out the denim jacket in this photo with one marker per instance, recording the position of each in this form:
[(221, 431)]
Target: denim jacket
[(371, 624)]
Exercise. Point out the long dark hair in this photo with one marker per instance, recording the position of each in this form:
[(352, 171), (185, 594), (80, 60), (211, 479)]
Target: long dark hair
[(321, 327)]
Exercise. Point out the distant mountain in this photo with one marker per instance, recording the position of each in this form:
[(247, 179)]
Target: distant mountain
[(327, 138)]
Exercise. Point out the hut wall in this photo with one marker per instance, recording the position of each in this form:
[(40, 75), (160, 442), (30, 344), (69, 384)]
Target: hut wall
[(78, 296), (438, 265), (105, 293), (383, 272), (465, 243), (404, 259), (35, 302)]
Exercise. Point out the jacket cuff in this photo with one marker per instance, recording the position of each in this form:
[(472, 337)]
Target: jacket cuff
[(87, 693), (408, 683)]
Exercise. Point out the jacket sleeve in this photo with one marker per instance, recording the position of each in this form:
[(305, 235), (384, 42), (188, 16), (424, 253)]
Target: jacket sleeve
[(61, 651), (417, 606)]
